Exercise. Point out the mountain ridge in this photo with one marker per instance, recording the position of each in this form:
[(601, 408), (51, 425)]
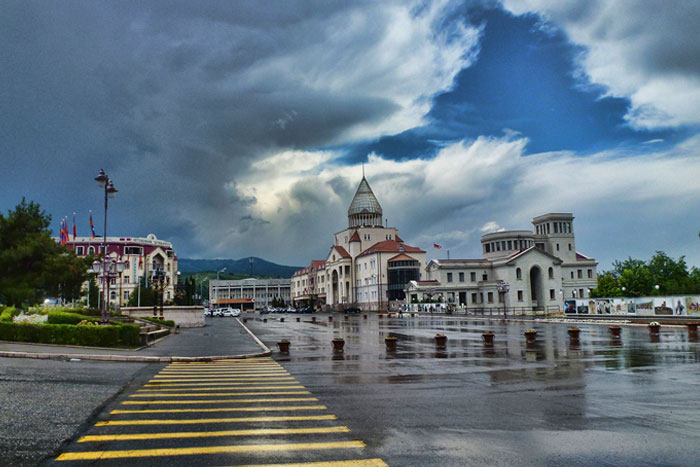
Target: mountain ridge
[(260, 267)]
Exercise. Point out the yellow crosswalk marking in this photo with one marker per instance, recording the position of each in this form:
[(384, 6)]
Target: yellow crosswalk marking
[(204, 394), (224, 401), (228, 382), (226, 409), (196, 421), (214, 434), (190, 376), (221, 367), (350, 463), (245, 448), (217, 388), (189, 380)]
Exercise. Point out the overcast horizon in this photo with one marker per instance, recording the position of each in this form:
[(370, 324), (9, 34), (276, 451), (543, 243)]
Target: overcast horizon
[(237, 129)]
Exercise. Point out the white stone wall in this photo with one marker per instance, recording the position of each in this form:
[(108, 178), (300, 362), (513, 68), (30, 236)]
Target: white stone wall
[(183, 316)]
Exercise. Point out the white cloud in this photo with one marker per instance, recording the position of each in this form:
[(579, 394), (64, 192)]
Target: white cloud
[(470, 188), (645, 51)]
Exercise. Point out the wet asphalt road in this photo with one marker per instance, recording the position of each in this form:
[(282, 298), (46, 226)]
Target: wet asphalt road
[(599, 402), (634, 402)]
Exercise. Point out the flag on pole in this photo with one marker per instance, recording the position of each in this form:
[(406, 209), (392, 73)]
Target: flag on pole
[(64, 231), (92, 226), (75, 232), (436, 246), (140, 260)]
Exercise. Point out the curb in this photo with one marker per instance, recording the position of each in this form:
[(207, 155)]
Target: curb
[(139, 358)]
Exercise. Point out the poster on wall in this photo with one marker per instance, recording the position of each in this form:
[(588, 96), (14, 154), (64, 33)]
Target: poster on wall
[(631, 307), (569, 306), (603, 306), (692, 305), (661, 308)]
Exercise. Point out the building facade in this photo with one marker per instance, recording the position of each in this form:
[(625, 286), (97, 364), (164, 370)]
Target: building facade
[(368, 264), (142, 256), (248, 294), (541, 268)]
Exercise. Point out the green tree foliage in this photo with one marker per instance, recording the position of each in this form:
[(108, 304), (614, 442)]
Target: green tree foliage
[(32, 264), (147, 295), (640, 278)]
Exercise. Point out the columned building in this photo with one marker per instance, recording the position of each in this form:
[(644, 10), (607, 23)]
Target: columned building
[(368, 264), (541, 267), (143, 258)]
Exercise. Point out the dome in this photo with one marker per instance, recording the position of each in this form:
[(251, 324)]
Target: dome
[(364, 209)]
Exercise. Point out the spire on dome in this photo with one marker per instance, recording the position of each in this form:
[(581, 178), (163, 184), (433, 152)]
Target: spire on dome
[(364, 209)]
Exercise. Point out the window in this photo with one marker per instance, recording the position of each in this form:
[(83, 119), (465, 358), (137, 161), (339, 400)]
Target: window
[(510, 244), (472, 276), (498, 246), (579, 274), (590, 274), (572, 274), (490, 297), (581, 294), (126, 279), (126, 295), (557, 247), (556, 227), (520, 295), (113, 281), (551, 294), (551, 273), (449, 277), (113, 295), (79, 250), (485, 277), (461, 277), (518, 274), (91, 250), (569, 246), (503, 245), (474, 298), (487, 248)]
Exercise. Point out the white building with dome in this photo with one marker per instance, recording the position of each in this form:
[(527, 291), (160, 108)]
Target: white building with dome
[(541, 268), (368, 265)]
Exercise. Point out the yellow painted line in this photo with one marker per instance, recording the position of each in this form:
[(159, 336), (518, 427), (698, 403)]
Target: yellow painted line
[(214, 434), (226, 409), (188, 421), (217, 388), (196, 394), (204, 380), (210, 372), (228, 384), (350, 463), (220, 367), (224, 401), (191, 376), (238, 449), (262, 388)]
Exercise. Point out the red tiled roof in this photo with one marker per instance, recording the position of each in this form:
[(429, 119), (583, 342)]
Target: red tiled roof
[(342, 251), (580, 256), (318, 264), (355, 237), (432, 281), (390, 246), (402, 257), (398, 239)]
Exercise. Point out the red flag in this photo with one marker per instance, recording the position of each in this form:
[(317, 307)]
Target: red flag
[(75, 234), (436, 246), (92, 226)]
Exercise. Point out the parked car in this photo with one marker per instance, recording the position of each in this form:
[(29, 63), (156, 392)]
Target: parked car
[(207, 311), (217, 312), (352, 309), (264, 311)]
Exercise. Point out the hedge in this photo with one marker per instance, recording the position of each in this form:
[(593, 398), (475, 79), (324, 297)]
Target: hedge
[(66, 334), (8, 313), (61, 317), (164, 322)]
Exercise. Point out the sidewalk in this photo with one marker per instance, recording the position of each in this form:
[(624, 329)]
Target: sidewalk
[(223, 339)]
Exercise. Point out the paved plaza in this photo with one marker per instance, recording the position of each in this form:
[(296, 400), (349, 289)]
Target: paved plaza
[(599, 401)]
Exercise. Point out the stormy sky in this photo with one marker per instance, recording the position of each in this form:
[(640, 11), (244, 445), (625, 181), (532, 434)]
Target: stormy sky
[(238, 129)]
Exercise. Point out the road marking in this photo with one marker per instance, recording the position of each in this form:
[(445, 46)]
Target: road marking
[(274, 386), (282, 382), (351, 463), (201, 380), (226, 409), (219, 375), (214, 434), (222, 368), (197, 394), (224, 401), (249, 448), (217, 388), (189, 421), (200, 374)]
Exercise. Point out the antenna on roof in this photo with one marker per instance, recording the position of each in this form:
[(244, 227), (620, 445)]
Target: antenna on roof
[(363, 170)]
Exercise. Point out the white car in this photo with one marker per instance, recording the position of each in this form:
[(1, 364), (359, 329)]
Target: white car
[(230, 312), (207, 312)]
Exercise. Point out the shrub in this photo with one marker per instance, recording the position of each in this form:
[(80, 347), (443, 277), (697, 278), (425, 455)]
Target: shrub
[(8, 313), (66, 334), (62, 317), (164, 322)]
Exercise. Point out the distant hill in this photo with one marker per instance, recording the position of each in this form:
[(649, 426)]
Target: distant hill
[(236, 266)]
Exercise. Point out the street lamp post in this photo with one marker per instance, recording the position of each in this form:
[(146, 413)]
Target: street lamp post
[(106, 271), (110, 192), (503, 288)]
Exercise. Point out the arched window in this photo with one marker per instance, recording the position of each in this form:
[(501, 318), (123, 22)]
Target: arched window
[(551, 273), (91, 250), (518, 274)]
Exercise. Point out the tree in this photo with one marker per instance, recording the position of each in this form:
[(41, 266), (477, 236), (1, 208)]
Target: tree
[(636, 281), (147, 295), (607, 287), (65, 274), (671, 276)]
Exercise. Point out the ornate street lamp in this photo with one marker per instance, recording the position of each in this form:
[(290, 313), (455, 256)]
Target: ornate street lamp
[(503, 288), (103, 181), (159, 282), (107, 270)]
